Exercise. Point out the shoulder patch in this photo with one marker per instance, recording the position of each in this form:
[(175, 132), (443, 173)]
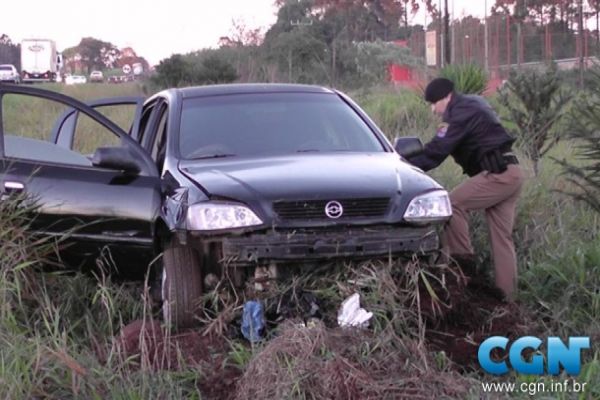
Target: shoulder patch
[(442, 129)]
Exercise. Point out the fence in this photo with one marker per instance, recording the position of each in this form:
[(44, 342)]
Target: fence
[(509, 44)]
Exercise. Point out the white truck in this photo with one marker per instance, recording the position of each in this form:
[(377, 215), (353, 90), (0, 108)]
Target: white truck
[(40, 62)]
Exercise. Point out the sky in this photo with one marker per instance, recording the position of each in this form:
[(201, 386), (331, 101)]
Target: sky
[(154, 29)]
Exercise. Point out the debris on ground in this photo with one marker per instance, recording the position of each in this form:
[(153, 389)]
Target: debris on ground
[(351, 314), (253, 321), (430, 322)]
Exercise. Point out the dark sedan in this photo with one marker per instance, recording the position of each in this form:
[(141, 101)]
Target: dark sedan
[(224, 178)]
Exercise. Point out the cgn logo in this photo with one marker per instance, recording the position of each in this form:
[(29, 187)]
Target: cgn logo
[(557, 353)]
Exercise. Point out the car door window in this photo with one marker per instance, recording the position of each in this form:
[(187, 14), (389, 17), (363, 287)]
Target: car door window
[(123, 111), (159, 147), (89, 135), (28, 121), (144, 124), (30, 117)]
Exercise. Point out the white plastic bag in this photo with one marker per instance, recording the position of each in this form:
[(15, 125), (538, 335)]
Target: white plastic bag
[(350, 313)]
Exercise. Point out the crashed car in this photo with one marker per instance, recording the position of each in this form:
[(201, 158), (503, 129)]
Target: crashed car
[(223, 179)]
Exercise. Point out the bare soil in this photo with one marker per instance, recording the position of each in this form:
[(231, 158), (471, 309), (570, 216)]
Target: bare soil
[(477, 311)]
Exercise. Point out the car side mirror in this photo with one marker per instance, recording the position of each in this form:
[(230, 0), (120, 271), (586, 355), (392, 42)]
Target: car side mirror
[(408, 146), (119, 158)]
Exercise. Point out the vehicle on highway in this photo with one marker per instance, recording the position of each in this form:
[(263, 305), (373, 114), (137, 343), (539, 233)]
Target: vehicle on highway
[(96, 77), (8, 73), (223, 179), (75, 79), (40, 62)]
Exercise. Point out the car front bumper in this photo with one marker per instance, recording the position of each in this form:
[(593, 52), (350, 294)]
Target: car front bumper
[(306, 245)]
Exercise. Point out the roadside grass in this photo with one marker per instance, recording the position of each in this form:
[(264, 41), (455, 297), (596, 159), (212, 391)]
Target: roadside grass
[(398, 112), (59, 335), (20, 119), (59, 330)]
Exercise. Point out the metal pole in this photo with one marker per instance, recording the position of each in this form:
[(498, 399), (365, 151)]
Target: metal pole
[(581, 44), (447, 45), (452, 38), (485, 46), (442, 52)]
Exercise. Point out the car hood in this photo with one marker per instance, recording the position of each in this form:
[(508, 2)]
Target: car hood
[(306, 176)]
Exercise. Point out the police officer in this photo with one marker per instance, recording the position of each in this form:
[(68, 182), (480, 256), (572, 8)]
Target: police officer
[(473, 136)]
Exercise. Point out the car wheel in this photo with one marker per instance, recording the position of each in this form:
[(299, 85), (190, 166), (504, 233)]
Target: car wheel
[(181, 285)]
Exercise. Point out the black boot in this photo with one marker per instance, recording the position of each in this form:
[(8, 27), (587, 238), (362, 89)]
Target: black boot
[(467, 263)]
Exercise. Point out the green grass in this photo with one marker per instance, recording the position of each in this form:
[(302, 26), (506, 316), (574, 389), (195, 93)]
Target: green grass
[(57, 329), (33, 117)]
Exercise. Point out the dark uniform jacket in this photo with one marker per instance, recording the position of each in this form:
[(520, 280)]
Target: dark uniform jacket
[(470, 130)]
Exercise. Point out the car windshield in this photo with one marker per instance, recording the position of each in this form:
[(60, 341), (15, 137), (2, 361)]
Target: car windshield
[(5, 68), (271, 123)]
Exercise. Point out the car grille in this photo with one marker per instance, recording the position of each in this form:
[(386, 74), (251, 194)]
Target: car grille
[(315, 209)]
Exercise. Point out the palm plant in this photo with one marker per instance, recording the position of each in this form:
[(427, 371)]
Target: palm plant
[(584, 124), (468, 78), (536, 103)]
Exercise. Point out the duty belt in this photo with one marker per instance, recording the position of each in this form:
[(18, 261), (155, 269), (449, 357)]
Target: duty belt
[(510, 158)]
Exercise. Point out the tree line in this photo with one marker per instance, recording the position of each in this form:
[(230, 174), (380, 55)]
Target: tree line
[(90, 54), (349, 43)]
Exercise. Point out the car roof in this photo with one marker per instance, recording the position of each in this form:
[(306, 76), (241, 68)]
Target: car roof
[(247, 88)]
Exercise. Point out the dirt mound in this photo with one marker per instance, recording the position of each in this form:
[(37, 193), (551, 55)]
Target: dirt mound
[(147, 344), (474, 311)]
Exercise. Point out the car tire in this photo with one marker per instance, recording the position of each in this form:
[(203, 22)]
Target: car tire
[(181, 285)]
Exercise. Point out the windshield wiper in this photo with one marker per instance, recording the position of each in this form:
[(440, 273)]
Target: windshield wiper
[(214, 156), (308, 151)]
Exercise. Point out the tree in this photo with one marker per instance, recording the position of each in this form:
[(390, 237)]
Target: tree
[(172, 72), (215, 69), (96, 54), (200, 68), (584, 125), (241, 35), (536, 103), (92, 54), (299, 54), (10, 53), (595, 7)]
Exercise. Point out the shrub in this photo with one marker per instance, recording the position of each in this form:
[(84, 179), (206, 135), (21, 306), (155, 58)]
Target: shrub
[(584, 124), (468, 79), (400, 113), (202, 68), (536, 104)]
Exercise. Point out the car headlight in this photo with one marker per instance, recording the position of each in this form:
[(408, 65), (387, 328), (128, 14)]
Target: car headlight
[(429, 207), (216, 216)]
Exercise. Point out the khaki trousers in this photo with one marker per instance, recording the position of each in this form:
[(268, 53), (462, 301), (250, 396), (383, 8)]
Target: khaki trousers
[(497, 194)]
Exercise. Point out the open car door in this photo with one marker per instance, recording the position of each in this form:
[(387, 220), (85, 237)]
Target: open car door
[(63, 132), (109, 200)]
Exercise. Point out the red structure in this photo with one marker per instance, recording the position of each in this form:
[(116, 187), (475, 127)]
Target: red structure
[(399, 73)]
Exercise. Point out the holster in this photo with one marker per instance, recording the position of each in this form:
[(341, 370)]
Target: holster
[(494, 162)]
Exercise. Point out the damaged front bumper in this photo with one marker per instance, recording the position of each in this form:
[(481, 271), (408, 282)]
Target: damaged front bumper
[(311, 245)]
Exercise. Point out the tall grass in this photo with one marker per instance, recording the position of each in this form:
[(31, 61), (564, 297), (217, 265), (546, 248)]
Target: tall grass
[(58, 329), (399, 112)]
